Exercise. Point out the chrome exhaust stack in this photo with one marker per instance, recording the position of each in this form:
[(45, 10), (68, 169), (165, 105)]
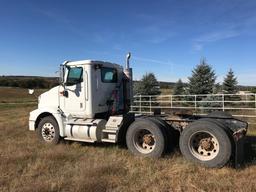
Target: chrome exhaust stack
[(129, 82), (128, 56)]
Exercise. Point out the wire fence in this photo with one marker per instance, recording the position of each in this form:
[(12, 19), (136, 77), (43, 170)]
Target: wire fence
[(239, 105)]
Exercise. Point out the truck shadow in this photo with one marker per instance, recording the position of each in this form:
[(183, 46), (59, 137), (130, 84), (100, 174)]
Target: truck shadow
[(249, 153), (250, 150), (87, 144)]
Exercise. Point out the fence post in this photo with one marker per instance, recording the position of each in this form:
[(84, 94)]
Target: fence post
[(255, 102), (171, 101), (131, 105), (140, 103), (150, 104), (223, 102), (195, 103)]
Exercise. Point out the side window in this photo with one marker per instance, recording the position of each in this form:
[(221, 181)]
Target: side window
[(108, 75), (75, 75)]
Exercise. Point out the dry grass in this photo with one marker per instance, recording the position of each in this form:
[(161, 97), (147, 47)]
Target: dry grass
[(17, 95), (166, 91), (28, 165)]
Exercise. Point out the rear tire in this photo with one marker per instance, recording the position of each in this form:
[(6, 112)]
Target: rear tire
[(171, 135), (145, 138), (48, 130), (206, 143)]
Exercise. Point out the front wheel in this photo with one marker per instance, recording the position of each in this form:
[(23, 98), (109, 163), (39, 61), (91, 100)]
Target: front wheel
[(206, 143), (48, 130)]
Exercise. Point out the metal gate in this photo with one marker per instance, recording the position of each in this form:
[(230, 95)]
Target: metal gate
[(239, 105)]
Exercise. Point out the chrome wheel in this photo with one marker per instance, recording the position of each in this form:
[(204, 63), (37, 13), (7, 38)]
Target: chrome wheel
[(144, 141), (203, 145), (48, 132)]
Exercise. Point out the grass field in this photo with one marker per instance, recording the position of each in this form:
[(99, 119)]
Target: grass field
[(28, 165)]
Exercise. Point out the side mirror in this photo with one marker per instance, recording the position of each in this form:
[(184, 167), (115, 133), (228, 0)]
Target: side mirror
[(64, 93)]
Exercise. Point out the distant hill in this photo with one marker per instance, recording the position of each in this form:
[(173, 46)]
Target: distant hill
[(166, 85), (247, 88), (48, 82)]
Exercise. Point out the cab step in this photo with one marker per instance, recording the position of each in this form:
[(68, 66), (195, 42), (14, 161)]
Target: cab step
[(109, 135), (109, 130), (108, 140)]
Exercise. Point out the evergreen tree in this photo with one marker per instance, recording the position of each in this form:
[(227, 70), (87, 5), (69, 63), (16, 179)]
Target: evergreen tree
[(217, 88), (230, 83), (202, 80), (178, 88), (147, 86), (253, 89)]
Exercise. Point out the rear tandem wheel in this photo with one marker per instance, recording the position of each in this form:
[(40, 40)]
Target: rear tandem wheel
[(207, 143)]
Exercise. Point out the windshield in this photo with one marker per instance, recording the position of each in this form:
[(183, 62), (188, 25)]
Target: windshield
[(75, 76)]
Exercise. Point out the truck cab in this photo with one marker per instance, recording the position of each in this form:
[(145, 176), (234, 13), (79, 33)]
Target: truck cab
[(87, 89), (90, 92)]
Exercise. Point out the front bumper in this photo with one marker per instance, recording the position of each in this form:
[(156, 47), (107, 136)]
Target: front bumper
[(31, 125)]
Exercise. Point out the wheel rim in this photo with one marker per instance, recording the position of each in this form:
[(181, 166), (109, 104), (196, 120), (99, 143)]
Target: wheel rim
[(48, 132), (144, 141), (204, 145)]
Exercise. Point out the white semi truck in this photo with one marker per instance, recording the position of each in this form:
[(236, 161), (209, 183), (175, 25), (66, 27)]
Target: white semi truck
[(92, 102)]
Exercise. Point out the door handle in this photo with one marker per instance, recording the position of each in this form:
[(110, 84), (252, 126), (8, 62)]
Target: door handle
[(64, 93)]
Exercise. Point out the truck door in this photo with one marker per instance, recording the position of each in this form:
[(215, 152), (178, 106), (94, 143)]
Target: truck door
[(74, 94)]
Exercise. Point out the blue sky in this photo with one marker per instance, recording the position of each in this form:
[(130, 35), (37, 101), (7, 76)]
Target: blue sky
[(167, 37)]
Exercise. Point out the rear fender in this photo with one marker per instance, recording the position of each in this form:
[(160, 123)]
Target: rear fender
[(222, 125), (233, 126)]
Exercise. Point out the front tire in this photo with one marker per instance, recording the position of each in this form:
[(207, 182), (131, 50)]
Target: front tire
[(48, 130), (145, 138), (206, 143)]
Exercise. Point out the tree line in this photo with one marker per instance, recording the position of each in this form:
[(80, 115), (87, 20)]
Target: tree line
[(201, 81), (28, 82)]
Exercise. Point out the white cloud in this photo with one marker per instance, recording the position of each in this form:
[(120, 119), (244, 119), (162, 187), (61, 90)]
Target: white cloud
[(160, 38), (155, 29), (197, 46), (152, 60), (200, 42), (240, 25), (217, 35)]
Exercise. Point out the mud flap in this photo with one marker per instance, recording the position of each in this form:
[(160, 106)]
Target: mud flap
[(239, 153)]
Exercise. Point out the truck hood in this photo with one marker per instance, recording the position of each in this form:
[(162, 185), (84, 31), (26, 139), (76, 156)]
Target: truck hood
[(49, 98)]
